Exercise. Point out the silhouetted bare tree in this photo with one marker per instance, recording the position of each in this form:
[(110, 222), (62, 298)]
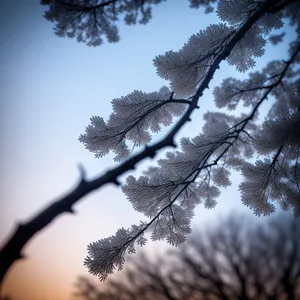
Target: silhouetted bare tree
[(233, 260)]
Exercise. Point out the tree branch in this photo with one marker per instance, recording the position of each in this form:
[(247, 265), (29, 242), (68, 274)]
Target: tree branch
[(11, 251)]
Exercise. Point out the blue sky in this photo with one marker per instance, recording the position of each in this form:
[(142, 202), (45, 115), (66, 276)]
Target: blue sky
[(49, 89)]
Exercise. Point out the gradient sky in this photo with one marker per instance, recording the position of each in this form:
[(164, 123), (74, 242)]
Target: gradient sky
[(49, 89)]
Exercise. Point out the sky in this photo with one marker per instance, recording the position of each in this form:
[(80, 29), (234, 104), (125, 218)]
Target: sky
[(49, 89)]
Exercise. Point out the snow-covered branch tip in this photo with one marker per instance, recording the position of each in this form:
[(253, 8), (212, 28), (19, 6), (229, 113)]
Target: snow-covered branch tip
[(134, 117)]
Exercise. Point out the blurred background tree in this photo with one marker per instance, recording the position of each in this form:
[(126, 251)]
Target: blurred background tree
[(232, 260)]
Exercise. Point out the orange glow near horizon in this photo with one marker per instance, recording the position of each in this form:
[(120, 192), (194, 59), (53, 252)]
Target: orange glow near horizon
[(28, 280)]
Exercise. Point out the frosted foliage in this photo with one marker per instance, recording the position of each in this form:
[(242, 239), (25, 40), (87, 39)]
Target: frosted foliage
[(186, 67), (233, 90), (173, 224), (249, 91), (290, 99), (265, 151), (250, 46), (133, 117), (277, 178), (177, 178), (106, 255), (270, 21), (235, 11), (270, 180), (282, 131), (220, 177)]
